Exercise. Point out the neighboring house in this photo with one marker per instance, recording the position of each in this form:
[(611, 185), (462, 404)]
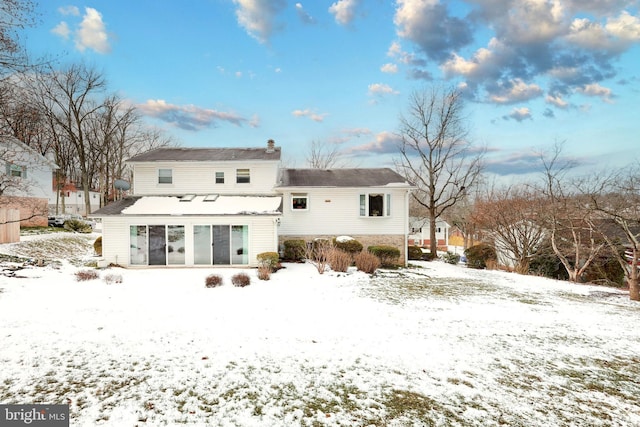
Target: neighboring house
[(224, 206), (419, 232), (25, 181), (73, 200)]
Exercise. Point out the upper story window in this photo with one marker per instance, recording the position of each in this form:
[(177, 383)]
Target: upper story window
[(165, 176), (300, 201), (16, 170), (243, 176), (375, 204), (219, 177)]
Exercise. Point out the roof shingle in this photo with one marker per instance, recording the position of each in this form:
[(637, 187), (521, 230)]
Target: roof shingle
[(207, 154), (361, 177)]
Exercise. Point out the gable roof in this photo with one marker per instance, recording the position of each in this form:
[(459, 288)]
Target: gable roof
[(177, 154), (9, 140), (361, 177)]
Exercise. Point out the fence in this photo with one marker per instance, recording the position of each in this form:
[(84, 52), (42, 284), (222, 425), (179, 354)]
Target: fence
[(9, 225)]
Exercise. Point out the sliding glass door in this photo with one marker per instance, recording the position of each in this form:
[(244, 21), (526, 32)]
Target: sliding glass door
[(221, 244), (157, 245)]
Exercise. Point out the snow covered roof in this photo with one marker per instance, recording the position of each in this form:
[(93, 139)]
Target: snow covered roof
[(193, 205)]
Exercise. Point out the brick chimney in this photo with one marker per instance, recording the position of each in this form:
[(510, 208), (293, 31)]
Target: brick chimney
[(271, 144)]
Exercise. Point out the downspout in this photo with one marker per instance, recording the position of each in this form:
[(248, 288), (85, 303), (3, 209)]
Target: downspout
[(406, 227)]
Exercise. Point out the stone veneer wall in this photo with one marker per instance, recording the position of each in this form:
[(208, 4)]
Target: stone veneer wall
[(396, 240)]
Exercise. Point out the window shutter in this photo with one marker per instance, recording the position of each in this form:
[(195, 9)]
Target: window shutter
[(24, 172), (388, 205), (363, 207), (8, 168)]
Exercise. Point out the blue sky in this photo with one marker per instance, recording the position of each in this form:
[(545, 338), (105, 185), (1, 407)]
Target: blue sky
[(239, 72)]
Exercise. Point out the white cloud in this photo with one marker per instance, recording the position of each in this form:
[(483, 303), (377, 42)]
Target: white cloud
[(62, 30), (381, 89), (92, 33), (557, 101), (69, 10), (516, 91), (594, 89), (316, 117), (190, 117), (519, 114), (625, 27), (389, 68), (344, 11), (257, 17)]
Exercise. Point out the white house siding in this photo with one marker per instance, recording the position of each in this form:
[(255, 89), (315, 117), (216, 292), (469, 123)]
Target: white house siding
[(199, 178), (116, 239), (336, 211)]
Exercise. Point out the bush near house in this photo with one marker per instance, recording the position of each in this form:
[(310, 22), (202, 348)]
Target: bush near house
[(241, 280), (294, 250), (388, 255), (270, 260), (451, 258), (347, 244), (339, 259), (77, 225), (479, 255), (367, 262), (414, 253), (213, 281), (264, 273), (97, 246), (84, 275)]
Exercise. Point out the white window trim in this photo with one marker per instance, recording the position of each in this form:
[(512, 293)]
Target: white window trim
[(238, 176), (165, 183), (386, 205), (300, 196)]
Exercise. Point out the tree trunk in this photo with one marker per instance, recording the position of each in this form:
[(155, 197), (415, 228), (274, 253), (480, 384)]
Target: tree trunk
[(634, 288), (433, 243)]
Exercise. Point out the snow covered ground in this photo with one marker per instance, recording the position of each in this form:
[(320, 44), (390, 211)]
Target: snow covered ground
[(434, 344)]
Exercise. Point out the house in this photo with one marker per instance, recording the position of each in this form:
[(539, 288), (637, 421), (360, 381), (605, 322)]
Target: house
[(419, 234), (25, 181), (73, 200), (223, 206), (370, 205)]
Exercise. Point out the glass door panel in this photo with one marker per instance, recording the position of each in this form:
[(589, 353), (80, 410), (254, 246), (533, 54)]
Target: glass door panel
[(239, 244), (157, 245), (202, 244), (221, 245), (138, 245), (175, 249)]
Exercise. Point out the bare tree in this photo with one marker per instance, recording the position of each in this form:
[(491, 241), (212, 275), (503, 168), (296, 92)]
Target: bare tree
[(435, 154), (70, 98), (568, 218), (617, 198), (509, 218), (15, 15), (323, 156)]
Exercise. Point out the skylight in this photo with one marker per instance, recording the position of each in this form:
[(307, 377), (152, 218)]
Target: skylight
[(187, 198), (211, 198)]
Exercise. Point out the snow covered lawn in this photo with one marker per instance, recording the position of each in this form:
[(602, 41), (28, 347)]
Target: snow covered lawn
[(431, 345)]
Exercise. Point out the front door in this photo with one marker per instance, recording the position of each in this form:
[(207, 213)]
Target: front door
[(157, 245)]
